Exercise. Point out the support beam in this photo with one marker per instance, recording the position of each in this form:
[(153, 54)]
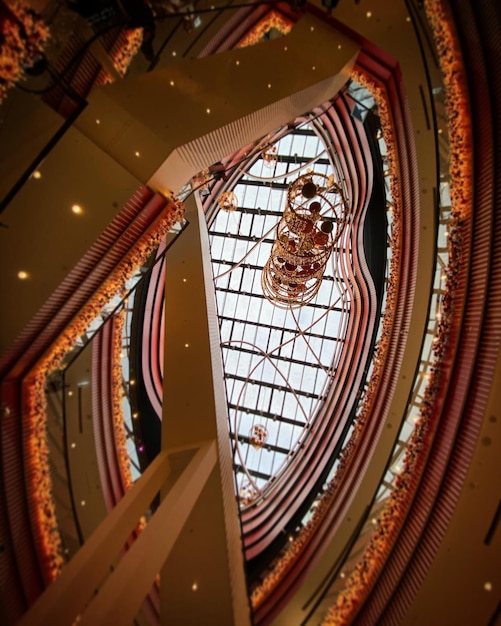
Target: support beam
[(120, 598), (69, 593)]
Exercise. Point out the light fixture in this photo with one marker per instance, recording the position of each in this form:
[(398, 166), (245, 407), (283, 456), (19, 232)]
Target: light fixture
[(227, 201), (171, 83), (186, 345), (137, 153), (174, 53), (269, 155), (368, 14), (194, 586), (37, 174), (258, 436), (83, 503), (207, 111), (73, 445), (247, 494), (98, 122), (312, 222), (22, 275), (76, 209), (488, 586)]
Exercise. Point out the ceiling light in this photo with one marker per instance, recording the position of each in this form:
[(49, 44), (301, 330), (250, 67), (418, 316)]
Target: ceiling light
[(194, 586), (171, 83), (22, 275), (70, 393), (269, 85), (237, 62), (138, 154), (174, 53), (407, 19), (339, 46), (37, 174), (76, 209), (83, 503), (368, 14), (98, 122), (186, 345), (488, 586), (207, 111), (73, 445)]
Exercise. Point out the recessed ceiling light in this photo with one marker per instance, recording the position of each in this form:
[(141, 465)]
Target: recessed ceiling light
[(194, 586), (174, 53), (76, 209), (488, 586), (407, 19), (269, 85), (186, 345), (207, 111), (98, 122), (37, 174), (70, 393), (73, 445), (368, 14), (237, 62), (312, 28), (137, 153), (339, 46), (83, 503), (22, 275), (171, 83)]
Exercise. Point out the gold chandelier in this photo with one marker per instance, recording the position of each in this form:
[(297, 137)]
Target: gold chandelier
[(313, 220)]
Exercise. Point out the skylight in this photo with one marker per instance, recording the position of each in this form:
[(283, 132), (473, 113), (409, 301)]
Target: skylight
[(278, 363)]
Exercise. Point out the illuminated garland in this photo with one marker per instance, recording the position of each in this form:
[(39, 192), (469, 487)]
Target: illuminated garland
[(123, 51), (297, 545), (273, 19), (23, 36), (117, 401), (36, 453), (397, 505)]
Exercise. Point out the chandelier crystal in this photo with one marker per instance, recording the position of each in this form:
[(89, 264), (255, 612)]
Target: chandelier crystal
[(312, 222)]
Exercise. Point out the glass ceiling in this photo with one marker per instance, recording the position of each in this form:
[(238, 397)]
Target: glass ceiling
[(278, 363)]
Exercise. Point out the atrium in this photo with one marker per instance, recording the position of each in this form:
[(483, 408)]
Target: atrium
[(251, 324)]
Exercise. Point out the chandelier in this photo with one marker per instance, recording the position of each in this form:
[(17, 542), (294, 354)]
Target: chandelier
[(258, 436), (227, 201), (312, 222)]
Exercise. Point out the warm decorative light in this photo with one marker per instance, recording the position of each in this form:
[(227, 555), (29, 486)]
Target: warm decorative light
[(258, 436), (200, 180), (22, 275), (488, 586), (76, 209), (194, 586), (37, 174), (227, 201), (313, 220), (269, 155), (247, 494), (138, 154)]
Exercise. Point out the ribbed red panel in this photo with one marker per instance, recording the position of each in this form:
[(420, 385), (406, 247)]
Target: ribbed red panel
[(20, 577), (478, 345), (97, 421)]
